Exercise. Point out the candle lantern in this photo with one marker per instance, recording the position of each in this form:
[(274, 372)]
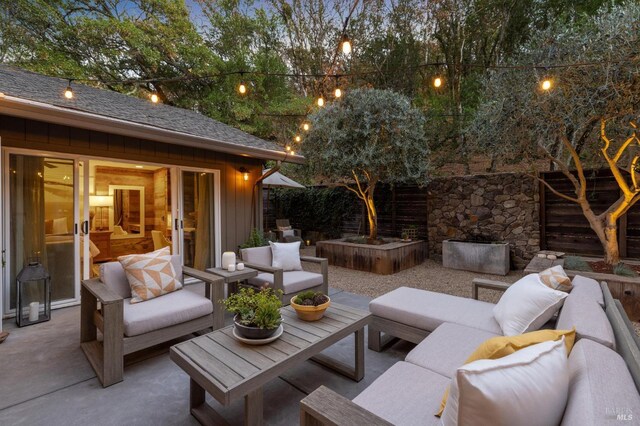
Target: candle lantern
[(33, 292)]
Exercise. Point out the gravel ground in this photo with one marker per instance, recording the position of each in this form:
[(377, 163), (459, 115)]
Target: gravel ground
[(431, 275)]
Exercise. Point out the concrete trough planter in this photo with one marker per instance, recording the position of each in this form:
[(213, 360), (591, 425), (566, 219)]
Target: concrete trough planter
[(487, 258)]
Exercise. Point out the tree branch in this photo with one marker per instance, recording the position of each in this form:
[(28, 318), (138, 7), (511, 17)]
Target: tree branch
[(622, 183), (552, 189), (582, 190)]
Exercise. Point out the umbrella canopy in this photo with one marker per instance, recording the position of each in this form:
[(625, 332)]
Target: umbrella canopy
[(278, 179)]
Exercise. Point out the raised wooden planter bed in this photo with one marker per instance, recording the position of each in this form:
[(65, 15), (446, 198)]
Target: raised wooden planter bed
[(626, 289), (384, 259)]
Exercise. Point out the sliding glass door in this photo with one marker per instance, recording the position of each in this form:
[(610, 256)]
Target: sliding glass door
[(197, 223), (42, 222)]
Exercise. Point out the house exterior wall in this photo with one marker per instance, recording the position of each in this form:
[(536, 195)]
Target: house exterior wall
[(236, 194)]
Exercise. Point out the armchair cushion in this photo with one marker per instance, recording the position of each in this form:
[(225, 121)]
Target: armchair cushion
[(589, 319), (257, 255), (150, 275), (292, 281), (588, 288), (161, 312)]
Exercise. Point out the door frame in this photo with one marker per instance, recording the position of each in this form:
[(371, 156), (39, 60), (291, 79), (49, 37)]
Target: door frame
[(178, 231)]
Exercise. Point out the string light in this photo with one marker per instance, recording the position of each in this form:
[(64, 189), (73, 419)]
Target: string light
[(320, 101), (242, 88), (345, 44), (298, 138), (305, 127), (293, 153), (288, 148), (68, 93), (437, 82), (338, 92), (546, 84), (154, 98)]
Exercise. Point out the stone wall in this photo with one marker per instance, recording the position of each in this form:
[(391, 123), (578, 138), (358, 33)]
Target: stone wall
[(496, 207)]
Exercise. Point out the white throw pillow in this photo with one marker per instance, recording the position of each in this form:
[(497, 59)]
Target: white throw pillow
[(286, 256), (527, 305), (529, 387)]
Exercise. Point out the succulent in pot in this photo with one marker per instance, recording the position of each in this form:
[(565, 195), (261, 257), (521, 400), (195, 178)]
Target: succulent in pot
[(257, 312), (310, 305)]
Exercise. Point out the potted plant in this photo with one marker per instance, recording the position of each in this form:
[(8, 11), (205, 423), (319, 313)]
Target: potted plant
[(257, 312), (310, 305)]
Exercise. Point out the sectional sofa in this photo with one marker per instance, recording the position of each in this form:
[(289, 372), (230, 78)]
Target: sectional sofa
[(604, 377)]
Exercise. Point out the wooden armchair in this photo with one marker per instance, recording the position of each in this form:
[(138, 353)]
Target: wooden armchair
[(290, 282), (281, 224), (116, 318)]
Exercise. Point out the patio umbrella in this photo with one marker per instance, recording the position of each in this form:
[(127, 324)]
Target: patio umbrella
[(278, 179)]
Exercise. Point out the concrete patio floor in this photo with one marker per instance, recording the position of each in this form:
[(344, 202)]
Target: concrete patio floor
[(46, 380)]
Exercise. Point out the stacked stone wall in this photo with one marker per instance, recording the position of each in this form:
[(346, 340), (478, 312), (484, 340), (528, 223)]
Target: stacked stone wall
[(498, 207)]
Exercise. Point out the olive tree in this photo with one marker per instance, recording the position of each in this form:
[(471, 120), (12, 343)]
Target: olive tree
[(587, 118), (369, 137)]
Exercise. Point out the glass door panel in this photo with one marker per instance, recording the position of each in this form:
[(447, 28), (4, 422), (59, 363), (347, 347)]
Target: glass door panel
[(197, 223), (42, 220)]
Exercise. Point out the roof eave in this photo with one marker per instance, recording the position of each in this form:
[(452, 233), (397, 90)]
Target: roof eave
[(24, 108)]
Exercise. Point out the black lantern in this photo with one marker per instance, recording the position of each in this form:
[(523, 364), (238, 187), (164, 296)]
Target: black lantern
[(34, 291)]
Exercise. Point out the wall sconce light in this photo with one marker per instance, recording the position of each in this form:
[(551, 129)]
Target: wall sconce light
[(244, 172)]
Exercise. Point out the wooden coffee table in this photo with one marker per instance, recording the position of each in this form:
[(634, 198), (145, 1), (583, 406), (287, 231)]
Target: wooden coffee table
[(227, 369)]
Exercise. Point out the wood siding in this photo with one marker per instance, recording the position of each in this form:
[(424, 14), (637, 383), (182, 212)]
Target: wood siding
[(236, 194)]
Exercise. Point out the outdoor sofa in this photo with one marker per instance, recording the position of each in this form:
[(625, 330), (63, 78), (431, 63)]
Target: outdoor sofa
[(604, 365)]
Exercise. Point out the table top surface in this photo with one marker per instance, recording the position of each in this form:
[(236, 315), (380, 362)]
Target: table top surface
[(235, 275), (229, 369)]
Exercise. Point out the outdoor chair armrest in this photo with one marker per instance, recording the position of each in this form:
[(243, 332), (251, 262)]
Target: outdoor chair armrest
[(314, 259), (488, 284), (214, 291), (325, 407), (100, 291), (263, 268)]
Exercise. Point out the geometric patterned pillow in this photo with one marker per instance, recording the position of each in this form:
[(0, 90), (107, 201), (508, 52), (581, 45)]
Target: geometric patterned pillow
[(150, 275), (556, 279)]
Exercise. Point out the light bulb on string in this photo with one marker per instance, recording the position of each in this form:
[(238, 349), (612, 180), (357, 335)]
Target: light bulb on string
[(306, 127), (68, 92), (546, 84), (297, 138), (293, 153), (320, 101), (345, 44), (338, 92), (288, 148), (242, 88), (154, 98), (437, 82)]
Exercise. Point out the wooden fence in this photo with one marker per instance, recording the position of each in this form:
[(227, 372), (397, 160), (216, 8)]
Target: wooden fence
[(563, 227)]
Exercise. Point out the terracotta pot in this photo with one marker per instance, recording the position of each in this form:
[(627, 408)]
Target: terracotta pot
[(253, 332), (310, 313)]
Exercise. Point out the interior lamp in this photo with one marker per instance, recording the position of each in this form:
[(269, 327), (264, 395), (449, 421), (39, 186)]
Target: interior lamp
[(100, 202)]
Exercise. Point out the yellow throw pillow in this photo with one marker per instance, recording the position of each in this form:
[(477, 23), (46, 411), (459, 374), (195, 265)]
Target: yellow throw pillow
[(150, 275), (556, 279), (501, 346)]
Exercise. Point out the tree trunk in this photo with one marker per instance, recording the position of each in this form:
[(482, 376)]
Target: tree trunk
[(610, 245), (373, 216)]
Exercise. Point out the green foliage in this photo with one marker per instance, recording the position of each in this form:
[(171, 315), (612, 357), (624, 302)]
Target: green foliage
[(256, 308), (256, 239), (624, 270), (310, 298), (576, 263), (315, 209)]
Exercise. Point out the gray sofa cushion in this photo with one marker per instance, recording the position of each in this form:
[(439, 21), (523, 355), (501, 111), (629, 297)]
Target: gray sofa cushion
[(257, 255), (292, 281), (589, 319), (587, 288), (600, 387), (427, 310), (112, 274), (405, 395), (164, 311), (447, 348)]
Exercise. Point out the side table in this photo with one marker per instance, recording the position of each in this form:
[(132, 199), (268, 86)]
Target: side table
[(231, 279)]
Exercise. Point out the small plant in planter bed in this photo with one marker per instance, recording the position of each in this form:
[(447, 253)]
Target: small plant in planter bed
[(257, 312), (310, 305)]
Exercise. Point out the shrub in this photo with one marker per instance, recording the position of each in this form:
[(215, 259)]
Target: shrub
[(576, 263), (624, 271), (256, 308)]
